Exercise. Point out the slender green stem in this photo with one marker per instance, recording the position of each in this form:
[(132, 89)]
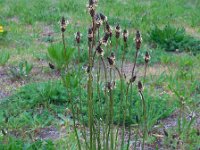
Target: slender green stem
[(80, 95), (117, 46), (75, 129), (64, 47), (134, 65), (90, 103), (144, 119), (145, 71), (127, 91), (121, 100), (99, 106), (105, 92), (111, 113), (111, 120), (123, 57), (68, 88)]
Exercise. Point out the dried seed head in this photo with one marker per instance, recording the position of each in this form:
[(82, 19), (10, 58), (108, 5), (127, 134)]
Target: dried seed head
[(108, 29), (110, 85), (92, 12), (92, 7), (174, 136), (138, 40), (63, 24), (112, 55), (105, 38), (78, 37), (140, 86), (51, 66), (198, 132), (88, 69), (98, 21), (90, 34), (111, 61), (117, 31), (165, 132), (103, 17), (132, 79), (125, 35), (93, 2), (147, 57), (99, 50), (124, 76)]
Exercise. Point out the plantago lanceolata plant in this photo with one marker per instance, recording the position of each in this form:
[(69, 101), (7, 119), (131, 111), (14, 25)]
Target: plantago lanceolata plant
[(103, 134)]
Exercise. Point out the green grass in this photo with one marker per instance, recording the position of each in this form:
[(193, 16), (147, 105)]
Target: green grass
[(25, 21)]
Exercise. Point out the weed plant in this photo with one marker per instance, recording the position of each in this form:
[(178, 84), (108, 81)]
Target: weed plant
[(22, 70), (174, 39), (102, 132), (4, 57)]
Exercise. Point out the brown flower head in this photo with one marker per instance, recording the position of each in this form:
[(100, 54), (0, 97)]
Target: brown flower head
[(93, 2), (140, 86), (108, 29), (89, 69), (165, 132), (138, 40), (110, 85), (125, 35), (99, 50), (117, 31), (198, 132), (111, 61), (90, 34), (78, 37), (92, 6), (63, 24), (147, 57), (51, 66), (132, 79), (98, 21), (104, 40), (103, 17)]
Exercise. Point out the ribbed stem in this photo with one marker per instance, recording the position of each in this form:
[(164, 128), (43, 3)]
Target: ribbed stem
[(99, 106), (123, 57), (134, 65), (64, 47), (144, 119), (145, 71), (80, 94), (90, 103)]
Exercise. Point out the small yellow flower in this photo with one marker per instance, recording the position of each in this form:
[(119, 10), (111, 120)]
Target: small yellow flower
[(1, 28)]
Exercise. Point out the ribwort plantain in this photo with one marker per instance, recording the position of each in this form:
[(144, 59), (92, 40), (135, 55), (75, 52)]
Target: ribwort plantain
[(99, 50), (138, 40), (63, 24), (147, 57), (125, 35), (78, 37), (117, 31), (90, 34)]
